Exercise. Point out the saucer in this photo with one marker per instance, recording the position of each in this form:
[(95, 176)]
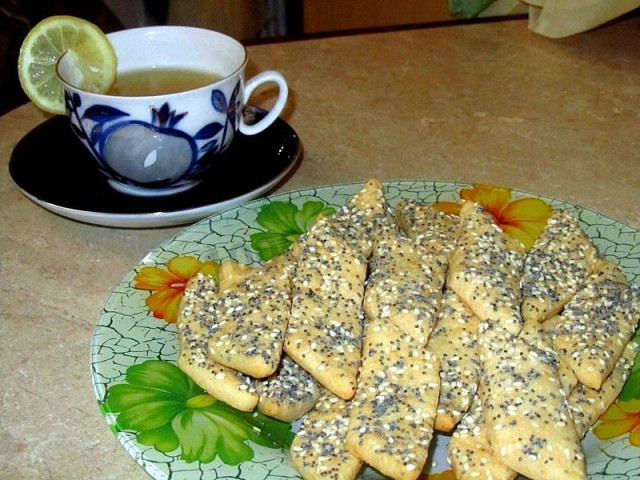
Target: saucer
[(52, 168)]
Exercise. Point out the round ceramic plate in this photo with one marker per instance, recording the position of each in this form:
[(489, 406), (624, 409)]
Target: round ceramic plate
[(52, 168), (175, 431)]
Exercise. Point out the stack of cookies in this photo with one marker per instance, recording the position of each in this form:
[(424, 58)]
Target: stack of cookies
[(381, 326)]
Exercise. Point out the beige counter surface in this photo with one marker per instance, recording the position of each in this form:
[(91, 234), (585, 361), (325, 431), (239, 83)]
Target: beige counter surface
[(490, 103)]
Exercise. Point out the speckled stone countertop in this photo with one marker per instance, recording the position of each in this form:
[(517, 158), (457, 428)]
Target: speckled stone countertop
[(490, 103)]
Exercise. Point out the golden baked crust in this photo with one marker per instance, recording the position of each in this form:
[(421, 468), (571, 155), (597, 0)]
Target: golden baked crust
[(192, 325), (391, 420), (595, 326), (289, 393), (528, 420), (250, 319), (557, 265), (318, 451), (454, 342), (485, 269), (469, 450)]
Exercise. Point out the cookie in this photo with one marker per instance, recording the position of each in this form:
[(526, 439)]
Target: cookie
[(231, 273), (596, 324), (250, 320), (454, 342), (354, 223), (318, 452), (326, 323), (436, 231), (404, 285), (192, 324), (485, 269), (469, 450), (528, 420), (391, 420), (556, 266), (587, 404), (289, 393)]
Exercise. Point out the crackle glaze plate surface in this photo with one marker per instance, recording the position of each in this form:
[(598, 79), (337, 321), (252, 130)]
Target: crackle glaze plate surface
[(52, 168), (174, 430)]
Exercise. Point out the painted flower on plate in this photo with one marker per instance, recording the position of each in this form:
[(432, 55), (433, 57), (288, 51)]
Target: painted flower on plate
[(168, 411), (284, 223), (168, 285), (622, 417), (522, 219)]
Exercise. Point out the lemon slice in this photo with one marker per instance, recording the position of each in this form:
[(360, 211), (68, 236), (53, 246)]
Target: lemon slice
[(93, 59)]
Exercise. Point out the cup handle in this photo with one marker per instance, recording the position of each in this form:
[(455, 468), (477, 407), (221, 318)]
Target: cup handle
[(268, 76)]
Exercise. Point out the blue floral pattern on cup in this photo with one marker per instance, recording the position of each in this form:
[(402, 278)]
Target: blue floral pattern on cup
[(155, 153), (231, 109)]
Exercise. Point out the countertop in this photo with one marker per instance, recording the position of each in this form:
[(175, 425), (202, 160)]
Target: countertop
[(481, 103)]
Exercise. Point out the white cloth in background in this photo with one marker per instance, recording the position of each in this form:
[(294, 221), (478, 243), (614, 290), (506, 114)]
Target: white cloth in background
[(562, 18)]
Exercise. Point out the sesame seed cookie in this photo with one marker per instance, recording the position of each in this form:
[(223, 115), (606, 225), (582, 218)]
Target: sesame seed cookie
[(454, 342), (528, 419), (192, 324), (391, 420), (485, 269), (250, 319), (596, 324), (558, 263), (587, 404), (318, 452), (469, 450)]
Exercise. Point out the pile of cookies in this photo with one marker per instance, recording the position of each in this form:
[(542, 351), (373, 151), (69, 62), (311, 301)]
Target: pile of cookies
[(381, 326)]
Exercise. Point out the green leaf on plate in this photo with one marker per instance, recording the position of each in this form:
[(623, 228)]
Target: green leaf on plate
[(631, 389), (306, 217), (270, 244), (198, 435), (279, 217), (284, 223), (164, 439), (167, 410)]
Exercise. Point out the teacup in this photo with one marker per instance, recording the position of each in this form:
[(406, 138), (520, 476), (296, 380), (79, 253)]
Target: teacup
[(162, 144)]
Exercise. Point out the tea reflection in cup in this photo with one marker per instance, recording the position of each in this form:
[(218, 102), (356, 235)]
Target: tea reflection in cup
[(175, 106)]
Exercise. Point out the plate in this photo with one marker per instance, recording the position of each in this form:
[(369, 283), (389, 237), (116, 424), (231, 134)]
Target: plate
[(174, 430), (52, 168)]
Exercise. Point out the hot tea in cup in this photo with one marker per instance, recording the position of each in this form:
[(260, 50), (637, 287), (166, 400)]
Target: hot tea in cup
[(175, 105)]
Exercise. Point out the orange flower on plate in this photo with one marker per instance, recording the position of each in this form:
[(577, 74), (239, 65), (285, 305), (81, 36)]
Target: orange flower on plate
[(168, 285), (522, 219), (621, 417), (446, 475)]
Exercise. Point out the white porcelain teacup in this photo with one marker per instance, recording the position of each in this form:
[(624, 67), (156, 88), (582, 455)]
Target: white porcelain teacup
[(156, 144)]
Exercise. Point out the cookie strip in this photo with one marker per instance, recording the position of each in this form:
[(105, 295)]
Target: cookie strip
[(596, 324), (325, 328), (326, 323), (354, 223), (454, 342), (556, 266), (391, 421), (251, 319), (289, 393), (485, 269), (193, 321), (231, 273), (588, 404), (436, 231), (527, 415), (404, 284), (318, 452), (469, 450)]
